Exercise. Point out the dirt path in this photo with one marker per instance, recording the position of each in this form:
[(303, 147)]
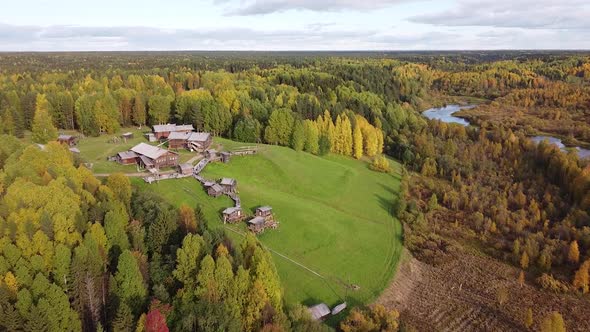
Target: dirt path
[(137, 174), (461, 295)]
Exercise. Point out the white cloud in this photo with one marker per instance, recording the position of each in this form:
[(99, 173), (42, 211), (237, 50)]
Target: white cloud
[(260, 7), (528, 14)]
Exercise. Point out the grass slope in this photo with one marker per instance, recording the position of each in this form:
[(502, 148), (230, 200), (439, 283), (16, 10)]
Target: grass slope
[(334, 216)]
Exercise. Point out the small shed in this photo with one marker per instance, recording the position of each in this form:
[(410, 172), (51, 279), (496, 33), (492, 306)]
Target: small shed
[(185, 169), (215, 190), (67, 139), (264, 211), (127, 136), (208, 184), (229, 185), (75, 150), (256, 225), (225, 156), (338, 309), (232, 214), (319, 311)]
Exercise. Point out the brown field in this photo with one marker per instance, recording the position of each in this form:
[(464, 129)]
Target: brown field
[(460, 294)]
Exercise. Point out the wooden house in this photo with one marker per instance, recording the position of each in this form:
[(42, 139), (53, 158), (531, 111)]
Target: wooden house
[(185, 169), (229, 185), (225, 156), (215, 190), (264, 211), (189, 140), (163, 131), (256, 225), (69, 140), (319, 311), (232, 215), (126, 157), (154, 157)]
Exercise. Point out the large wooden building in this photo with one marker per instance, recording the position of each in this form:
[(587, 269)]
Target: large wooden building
[(149, 156), (163, 131), (189, 140)]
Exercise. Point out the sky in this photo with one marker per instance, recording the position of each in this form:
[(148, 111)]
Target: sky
[(125, 25)]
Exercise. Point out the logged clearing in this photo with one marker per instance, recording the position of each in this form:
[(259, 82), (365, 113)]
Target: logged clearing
[(334, 213), (462, 295)]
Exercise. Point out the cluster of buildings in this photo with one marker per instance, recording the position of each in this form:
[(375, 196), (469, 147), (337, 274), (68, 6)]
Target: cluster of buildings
[(153, 157), (263, 218)]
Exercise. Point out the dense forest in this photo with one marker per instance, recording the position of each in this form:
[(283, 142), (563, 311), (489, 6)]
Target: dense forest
[(77, 253)]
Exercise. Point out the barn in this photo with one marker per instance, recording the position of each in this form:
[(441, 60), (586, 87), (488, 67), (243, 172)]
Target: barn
[(185, 169), (215, 190)]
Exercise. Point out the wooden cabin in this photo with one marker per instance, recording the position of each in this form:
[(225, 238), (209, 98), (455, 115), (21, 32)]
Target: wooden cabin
[(264, 211), (215, 190), (225, 156), (319, 311), (232, 215), (189, 140), (151, 137), (256, 225), (185, 169), (229, 185), (126, 157), (163, 131), (154, 157), (127, 136), (69, 140)]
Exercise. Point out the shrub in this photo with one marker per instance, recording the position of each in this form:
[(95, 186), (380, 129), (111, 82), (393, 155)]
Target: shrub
[(380, 164)]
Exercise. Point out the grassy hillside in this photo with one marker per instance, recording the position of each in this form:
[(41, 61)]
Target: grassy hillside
[(334, 216)]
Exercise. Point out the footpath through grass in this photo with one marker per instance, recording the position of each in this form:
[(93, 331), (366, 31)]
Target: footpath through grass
[(334, 213)]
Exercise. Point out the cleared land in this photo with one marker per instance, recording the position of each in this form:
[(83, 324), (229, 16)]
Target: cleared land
[(334, 216)]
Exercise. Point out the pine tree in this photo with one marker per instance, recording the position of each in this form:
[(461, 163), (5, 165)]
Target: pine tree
[(187, 219), (521, 278), (581, 278), (311, 136), (553, 323), (43, 129), (130, 284), (524, 260), (123, 320), (139, 114), (346, 136)]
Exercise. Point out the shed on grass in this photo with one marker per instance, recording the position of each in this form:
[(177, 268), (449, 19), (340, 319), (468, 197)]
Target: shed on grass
[(211, 154), (126, 157), (264, 211), (338, 309), (256, 225), (229, 185), (319, 311), (232, 215), (127, 136), (225, 156), (215, 190)]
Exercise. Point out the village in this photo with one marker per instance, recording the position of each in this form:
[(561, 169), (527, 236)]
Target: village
[(153, 159)]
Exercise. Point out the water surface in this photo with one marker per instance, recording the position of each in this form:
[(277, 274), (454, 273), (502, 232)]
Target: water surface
[(445, 114)]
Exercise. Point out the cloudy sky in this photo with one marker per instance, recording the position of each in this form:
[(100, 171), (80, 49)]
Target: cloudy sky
[(78, 25)]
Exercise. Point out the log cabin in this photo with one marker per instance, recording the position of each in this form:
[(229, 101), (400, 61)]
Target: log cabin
[(215, 190), (69, 140), (229, 185), (163, 131), (232, 215), (126, 157)]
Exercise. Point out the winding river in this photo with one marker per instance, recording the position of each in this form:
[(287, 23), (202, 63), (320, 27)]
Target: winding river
[(445, 114)]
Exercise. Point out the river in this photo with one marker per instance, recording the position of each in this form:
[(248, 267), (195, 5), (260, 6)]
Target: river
[(445, 114)]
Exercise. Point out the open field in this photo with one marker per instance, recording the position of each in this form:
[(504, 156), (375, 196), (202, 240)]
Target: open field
[(334, 216)]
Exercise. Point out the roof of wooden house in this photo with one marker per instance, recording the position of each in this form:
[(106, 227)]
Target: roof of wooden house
[(209, 183), (172, 127), (259, 221), (146, 161), (264, 208), (227, 182), (231, 210), (150, 151), (179, 135), (198, 137), (127, 155), (216, 188), (319, 311), (127, 134)]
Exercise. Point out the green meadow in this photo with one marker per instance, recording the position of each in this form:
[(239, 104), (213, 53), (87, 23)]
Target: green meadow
[(334, 214)]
